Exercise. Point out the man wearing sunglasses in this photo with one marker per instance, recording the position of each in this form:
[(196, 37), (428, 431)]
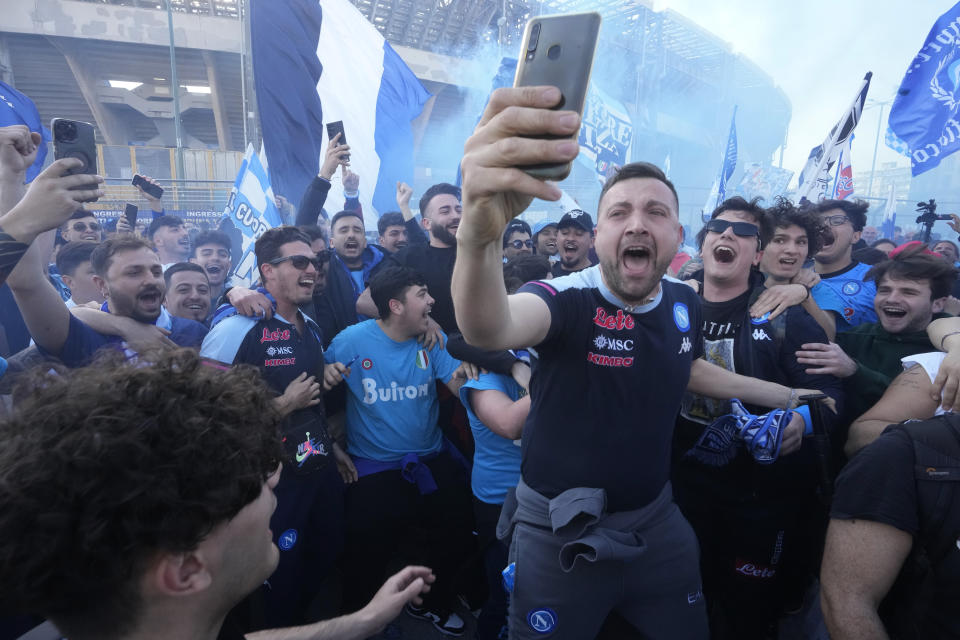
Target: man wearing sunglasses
[(517, 240), (287, 349), (750, 518), (82, 225), (837, 282)]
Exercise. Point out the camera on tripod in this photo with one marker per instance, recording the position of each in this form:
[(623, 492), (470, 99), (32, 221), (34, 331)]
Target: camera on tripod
[(928, 217)]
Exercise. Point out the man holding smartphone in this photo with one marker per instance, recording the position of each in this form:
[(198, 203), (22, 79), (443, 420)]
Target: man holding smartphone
[(593, 512)]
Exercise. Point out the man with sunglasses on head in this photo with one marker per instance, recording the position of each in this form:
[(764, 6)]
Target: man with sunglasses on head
[(517, 240), (287, 349), (756, 523), (836, 282)]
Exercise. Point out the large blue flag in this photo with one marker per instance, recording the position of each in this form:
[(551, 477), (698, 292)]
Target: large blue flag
[(718, 193), (16, 108), (317, 64), (924, 113)]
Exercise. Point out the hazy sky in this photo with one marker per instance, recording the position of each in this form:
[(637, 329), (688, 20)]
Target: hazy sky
[(818, 51)]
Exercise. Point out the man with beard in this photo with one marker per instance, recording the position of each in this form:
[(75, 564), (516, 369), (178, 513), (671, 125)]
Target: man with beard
[(188, 292), (593, 512), (170, 239), (575, 239), (348, 274), (211, 250), (912, 288), (130, 278), (837, 282), (441, 211), (287, 349), (517, 240), (545, 239), (757, 523)]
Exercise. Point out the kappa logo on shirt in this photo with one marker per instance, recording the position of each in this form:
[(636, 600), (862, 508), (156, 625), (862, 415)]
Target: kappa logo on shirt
[(760, 334), (685, 346), (275, 335)]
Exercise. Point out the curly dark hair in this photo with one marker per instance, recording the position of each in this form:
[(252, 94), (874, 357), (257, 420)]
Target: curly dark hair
[(103, 466), (783, 213), (527, 268), (855, 210)]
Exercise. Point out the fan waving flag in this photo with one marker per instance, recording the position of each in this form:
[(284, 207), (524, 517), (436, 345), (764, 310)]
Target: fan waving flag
[(924, 113), (887, 226), (316, 63), (843, 182), (816, 173)]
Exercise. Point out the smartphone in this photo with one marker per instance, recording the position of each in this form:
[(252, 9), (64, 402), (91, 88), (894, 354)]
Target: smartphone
[(130, 213), (153, 189), (558, 50), (333, 128), (75, 139)]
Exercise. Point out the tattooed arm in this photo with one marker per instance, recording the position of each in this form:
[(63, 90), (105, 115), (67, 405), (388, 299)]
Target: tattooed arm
[(908, 397)]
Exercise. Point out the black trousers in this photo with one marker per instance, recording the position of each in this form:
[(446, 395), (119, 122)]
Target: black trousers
[(384, 512)]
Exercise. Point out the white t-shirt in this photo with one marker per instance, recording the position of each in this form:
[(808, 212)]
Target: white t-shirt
[(931, 364)]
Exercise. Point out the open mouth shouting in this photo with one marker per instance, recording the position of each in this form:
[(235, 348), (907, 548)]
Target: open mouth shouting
[(724, 254), (150, 299), (893, 312)]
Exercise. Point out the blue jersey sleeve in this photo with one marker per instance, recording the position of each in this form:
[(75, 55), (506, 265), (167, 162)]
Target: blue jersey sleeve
[(489, 382), (82, 342), (223, 341)]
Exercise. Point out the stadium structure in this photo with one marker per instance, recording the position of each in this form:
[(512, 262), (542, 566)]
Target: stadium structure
[(109, 62)]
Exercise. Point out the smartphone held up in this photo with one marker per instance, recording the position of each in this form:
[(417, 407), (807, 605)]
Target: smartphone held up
[(558, 50), (75, 139)]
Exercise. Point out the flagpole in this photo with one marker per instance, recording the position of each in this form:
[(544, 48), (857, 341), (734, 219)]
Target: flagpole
[(832, 142), (876, 143)]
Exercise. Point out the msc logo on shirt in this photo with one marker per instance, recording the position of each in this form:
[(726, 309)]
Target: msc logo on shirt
[(613, 344), (279, 351), (275, 335), (393, 393)]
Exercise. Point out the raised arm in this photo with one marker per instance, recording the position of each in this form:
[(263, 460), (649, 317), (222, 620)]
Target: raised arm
[(494, 192)]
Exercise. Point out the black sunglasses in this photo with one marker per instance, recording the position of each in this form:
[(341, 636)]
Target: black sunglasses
[(82, 226), (301, 262), (520, 244), (742, 229)]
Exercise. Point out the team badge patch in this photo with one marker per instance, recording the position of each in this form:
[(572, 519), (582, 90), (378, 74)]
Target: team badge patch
[(287, 539), (423, 360), (762, 319), (681, 316), (366, 363), (542, 620), (851, 288)]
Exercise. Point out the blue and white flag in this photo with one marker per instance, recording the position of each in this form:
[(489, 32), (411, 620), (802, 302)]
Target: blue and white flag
[(606, 132), (252, 210), (16, 108), (728, 164), (887, 229), (924, 113), (316, 63), (816, 173)]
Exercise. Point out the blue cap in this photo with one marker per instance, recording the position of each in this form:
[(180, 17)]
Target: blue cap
[(543, 224)]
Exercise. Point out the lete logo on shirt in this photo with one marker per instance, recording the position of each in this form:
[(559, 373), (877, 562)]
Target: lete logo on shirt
[(275, 335), (620, 321)]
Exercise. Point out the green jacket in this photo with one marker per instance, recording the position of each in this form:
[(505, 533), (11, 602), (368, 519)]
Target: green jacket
[(878, 355)]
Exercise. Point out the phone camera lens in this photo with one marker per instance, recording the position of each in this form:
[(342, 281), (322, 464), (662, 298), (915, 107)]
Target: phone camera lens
[(66, 131), (534, 37)]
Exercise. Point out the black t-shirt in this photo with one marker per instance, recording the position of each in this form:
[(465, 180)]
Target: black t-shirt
[(721, 325), (878, 485), (436, 266), (606, 393), (557, 269)]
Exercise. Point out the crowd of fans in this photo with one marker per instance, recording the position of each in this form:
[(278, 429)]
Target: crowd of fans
[(642, 440)]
